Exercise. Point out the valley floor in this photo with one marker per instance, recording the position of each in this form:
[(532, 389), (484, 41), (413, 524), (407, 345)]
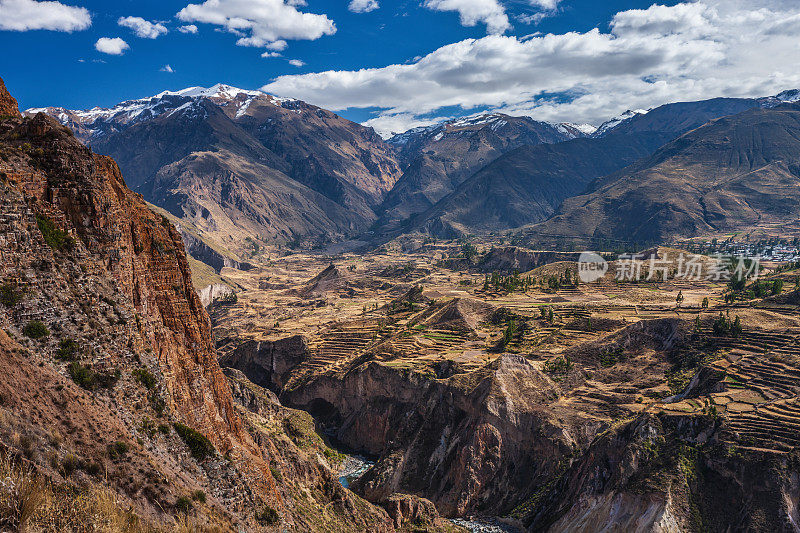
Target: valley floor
[(489, 401)]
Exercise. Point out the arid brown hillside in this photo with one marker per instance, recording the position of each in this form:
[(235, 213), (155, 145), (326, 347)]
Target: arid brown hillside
[(237, 164), (529, 183), (8, 105), (438, 158), (111, 375), (729, 175)]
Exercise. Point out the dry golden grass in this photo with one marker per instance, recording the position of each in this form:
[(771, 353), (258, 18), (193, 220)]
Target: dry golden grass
[(23, 494), (30, 503)]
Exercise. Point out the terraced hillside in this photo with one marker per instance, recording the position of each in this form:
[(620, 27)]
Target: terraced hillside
[(413, 356)]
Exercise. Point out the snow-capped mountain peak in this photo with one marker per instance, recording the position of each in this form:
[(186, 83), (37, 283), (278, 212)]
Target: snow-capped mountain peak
[(220, 90), (479, 119), (575, 130), (790, 97), (616, 121), (98, 120)]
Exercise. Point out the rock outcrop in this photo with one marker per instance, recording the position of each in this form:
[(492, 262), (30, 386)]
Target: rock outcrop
[(214, 292), (268, 363), (463, 442), (8, 105), (667, 474), (510, 258), (111, 374)]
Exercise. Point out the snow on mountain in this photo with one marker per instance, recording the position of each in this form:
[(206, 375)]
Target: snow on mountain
[(609, 125), (414, 133), (217, 91), (166, 102), (575, 130), (493, 121), (791, 96), (480, 119), (786, 97)]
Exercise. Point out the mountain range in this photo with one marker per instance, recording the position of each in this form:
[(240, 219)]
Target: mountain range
[(236, 164), (244, 169), (730, 175)]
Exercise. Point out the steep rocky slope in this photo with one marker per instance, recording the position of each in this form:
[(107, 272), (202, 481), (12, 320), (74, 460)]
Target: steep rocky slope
[(669, 473), (438, 158), (529, 183), (242, 164), (726, 176), (479, 442), (8, 105), (111, 372)]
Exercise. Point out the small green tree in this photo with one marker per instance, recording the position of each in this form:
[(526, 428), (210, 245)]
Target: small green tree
[(10, 296), (679, 298), (704, 305), (777, 287), (35, 329), (56, 238), (508, 334), (469, 251), (736, 328), (198, 444)]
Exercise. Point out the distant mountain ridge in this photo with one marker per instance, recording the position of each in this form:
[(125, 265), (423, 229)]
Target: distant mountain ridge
[(733, 174), (527, 184), (238, 164), (437, 159)]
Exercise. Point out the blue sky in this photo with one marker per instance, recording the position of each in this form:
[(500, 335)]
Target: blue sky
[(427, 58)]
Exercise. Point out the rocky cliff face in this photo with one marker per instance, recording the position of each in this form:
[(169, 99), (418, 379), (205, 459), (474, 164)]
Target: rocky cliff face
[(268, 363), (74, 193), (669, 473), (8, 105), (111, 371), (464, 442), (109, 279)]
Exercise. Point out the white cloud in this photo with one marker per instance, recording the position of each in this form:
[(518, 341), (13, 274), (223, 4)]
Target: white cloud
[(297, 62), (24, 15), (649, 57), (167, 68), (544, 9), (363, 6), (389, 124), (260, 23), (114, 47), (277, 46), (189, 28), (548, 5), (474, 11), (143, 28)]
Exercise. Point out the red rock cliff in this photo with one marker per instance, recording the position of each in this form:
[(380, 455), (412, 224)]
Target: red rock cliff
[(8, 105), (112, 238)]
